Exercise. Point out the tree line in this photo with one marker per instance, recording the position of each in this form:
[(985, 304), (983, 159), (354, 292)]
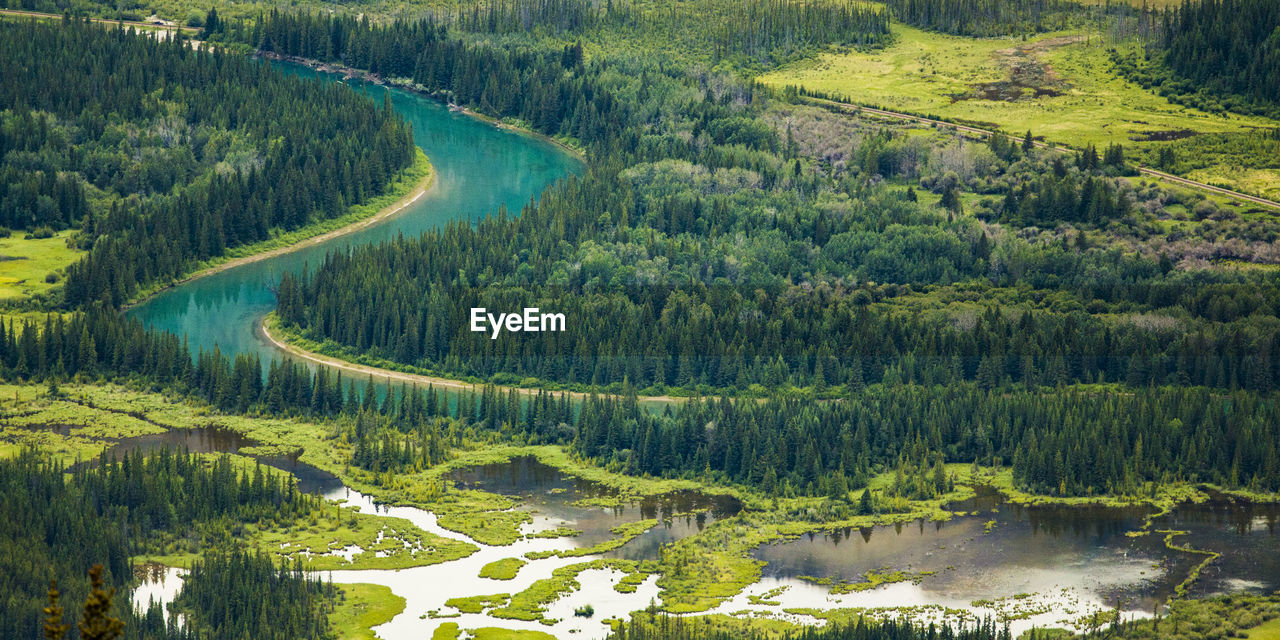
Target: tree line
[(1071, 443), (986, 18), (644, 626), (1214, 55)]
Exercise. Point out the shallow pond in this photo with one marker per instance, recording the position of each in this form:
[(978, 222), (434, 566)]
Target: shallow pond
[(1031, 566), (1246, 535), (197, 440), (549, 496), (553, 498), (1028, 566)]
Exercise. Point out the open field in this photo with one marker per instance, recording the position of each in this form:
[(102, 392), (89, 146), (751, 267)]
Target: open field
[(1055, 85), (1268, 631), (25, 263)]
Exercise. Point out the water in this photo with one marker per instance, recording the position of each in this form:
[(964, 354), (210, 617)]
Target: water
[(547, 494), (1246, 535), (195, 440), (551, 496), (478, 168), (1037, 566)]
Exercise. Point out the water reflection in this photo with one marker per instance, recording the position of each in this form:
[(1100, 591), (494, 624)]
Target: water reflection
[(558, 498), (1070, 559)]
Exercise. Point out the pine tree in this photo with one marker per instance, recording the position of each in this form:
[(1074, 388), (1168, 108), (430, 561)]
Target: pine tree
[(54, 627), (97, 623)]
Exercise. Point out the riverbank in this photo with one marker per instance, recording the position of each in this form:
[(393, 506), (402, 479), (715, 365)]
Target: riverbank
[(566, 144), (283, 340), (416, 181)]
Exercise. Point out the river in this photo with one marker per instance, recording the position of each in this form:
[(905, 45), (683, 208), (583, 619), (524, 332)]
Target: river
[(478, 168)]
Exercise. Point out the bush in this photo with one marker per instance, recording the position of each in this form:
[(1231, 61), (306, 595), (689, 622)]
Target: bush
[(40, 233)]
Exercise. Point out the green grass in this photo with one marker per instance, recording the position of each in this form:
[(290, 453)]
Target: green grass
[(504, 569), (531, 603), (446, 631), (924, 72), (1267, 631), (495, 633), (477, 604), (363, 607), (26, 262)]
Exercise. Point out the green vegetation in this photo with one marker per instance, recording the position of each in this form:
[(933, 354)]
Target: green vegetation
[(876, 579), (477, 604), (1248, 616), (531, 603), (153, 192), (495, 633), (408, 184), (221, 591), (504, 569), (446, 631), (1081, 100), (867, 318), (39, 504), (624, 533), (643, 626), (362, 607), (1221, 56), (30, 268)]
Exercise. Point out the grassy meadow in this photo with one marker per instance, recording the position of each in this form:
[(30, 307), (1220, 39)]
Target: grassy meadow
[(1061, 86), (26, 264)]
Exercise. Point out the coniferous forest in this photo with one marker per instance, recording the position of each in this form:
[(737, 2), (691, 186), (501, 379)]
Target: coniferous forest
[(794, 316), (186, 155)]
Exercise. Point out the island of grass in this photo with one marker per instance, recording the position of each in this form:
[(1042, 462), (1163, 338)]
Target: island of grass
[(504, 569)]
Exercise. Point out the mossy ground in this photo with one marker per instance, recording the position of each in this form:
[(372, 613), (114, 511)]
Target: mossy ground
[(495, 633), (530, 604)]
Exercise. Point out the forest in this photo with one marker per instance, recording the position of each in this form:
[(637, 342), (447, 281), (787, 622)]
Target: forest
[(1215, 55), (743, 260), (985, 18), (163, 157), (105, 515)]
